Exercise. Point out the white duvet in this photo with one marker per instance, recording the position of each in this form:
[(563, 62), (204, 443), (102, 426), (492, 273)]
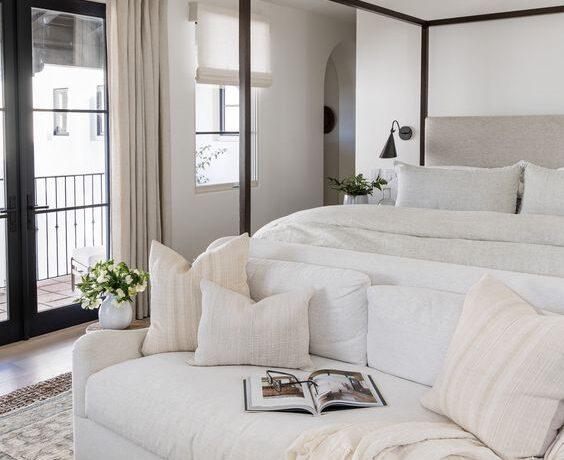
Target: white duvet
[(522, 243)]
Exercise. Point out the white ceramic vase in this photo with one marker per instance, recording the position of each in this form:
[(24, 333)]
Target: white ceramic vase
[(359, 199), (114, 317)]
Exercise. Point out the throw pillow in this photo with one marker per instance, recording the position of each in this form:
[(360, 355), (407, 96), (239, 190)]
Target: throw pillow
[(503, 377), (176, 299), (544, 189), (236, 330)]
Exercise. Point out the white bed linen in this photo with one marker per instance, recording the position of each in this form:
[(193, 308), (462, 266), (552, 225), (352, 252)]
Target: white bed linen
[(545, 292), (523, 243), (190, 412)]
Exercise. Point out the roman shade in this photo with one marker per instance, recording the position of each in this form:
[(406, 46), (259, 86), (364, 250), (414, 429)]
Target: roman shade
[(217, 38)]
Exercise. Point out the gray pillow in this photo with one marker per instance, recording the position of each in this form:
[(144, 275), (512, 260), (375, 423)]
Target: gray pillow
[(458, 188), (544, 191)]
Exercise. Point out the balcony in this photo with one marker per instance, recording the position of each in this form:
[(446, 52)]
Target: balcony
[(71, 231)]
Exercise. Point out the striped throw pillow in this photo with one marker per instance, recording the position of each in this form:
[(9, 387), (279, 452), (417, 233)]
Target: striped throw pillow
[(503, 376), (176, 298)]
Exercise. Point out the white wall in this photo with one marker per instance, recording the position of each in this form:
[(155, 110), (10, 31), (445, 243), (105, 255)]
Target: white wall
[(509, 67), (387, 88), (331, 140), (290, 126)]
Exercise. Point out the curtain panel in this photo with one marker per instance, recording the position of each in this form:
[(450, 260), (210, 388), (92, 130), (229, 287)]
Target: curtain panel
[(139, 128)]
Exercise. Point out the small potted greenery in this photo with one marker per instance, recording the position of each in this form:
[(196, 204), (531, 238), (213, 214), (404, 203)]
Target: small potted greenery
[(112, 288), (356, 188)]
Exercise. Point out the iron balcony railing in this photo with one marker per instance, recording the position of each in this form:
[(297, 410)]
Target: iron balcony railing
[(72, 213)]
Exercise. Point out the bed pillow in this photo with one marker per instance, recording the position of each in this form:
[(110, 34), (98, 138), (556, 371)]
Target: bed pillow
[(176, 299), (544, 191), (234, 330), (503, 377), (337, 310), (458, 189), (410, 329)]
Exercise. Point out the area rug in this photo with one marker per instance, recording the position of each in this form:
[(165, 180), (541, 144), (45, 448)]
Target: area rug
[(36, 421)]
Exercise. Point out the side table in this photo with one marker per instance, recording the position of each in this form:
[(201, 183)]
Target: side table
[(136, 324)]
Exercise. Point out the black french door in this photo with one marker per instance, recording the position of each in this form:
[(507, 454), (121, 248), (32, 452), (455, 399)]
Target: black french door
[(54, 197)]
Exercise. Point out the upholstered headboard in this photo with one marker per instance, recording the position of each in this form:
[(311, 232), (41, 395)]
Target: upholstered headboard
[(495, 141)]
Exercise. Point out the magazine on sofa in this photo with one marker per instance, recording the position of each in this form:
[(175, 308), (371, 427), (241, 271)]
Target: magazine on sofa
[(322, 390)]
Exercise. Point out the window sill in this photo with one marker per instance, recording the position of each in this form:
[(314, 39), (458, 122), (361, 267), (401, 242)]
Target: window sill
[(201, 189)]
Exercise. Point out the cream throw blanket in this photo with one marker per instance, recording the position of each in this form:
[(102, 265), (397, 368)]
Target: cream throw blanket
[(379, 441), (522, 243)]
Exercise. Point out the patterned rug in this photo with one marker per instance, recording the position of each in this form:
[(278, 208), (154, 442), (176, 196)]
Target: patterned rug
[(36, 421)]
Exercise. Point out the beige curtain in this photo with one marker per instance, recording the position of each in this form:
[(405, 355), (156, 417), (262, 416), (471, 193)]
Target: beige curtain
[(139, 129)]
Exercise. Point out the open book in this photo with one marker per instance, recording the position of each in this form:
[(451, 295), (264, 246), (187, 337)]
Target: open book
[(333, 389)]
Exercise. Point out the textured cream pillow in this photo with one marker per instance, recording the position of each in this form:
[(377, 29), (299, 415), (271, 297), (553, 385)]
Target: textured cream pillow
[(503, 377), (236, 330), (544, 191), (176, 299)]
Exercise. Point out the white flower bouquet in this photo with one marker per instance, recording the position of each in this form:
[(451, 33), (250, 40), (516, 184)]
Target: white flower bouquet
[(107, 278)]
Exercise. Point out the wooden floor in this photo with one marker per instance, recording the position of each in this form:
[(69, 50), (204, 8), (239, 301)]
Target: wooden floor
[(31, 361)]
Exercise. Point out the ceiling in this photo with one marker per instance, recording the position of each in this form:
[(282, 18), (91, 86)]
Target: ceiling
[(438, 9), (325, 7), (424, 9)]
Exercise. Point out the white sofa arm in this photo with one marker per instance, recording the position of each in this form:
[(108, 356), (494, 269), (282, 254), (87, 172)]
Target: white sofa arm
[(96, 351)]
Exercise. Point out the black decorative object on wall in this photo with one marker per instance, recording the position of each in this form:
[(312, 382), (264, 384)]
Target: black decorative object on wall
[(329, 120), (389, 150)]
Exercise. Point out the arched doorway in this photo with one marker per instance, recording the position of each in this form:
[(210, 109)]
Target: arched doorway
[(340, 95)]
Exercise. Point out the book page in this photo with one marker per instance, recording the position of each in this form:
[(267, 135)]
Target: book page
[(265, 396), (349, 388)]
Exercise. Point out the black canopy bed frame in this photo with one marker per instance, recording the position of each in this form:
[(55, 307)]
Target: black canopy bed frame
[(245, 78)]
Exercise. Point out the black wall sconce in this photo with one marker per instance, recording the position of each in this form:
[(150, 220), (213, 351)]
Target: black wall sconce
[(389, 150)]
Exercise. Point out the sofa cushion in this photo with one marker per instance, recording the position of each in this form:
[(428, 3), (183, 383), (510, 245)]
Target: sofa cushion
[(178, 411), (236, 330), (337, 309), (410, 329)]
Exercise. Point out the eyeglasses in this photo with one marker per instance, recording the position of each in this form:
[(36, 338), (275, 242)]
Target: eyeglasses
[(275, 380)]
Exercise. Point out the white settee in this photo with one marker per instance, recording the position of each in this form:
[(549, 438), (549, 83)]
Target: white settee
[(135, 407)]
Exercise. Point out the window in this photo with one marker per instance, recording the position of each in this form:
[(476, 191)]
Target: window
[(217, 135), (100, 106), (60, 101), (228, 110)]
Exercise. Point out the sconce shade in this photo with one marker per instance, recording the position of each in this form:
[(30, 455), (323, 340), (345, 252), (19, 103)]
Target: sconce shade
[(389, 150)]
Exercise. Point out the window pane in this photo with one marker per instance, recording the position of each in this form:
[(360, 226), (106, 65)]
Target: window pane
[(231, 95), (232, 119), (70, 171), (207, 108), (68, 52)]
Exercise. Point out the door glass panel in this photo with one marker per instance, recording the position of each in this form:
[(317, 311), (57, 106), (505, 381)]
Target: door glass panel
[(3, 216), (70, 167), (3, 230), (69, 58)]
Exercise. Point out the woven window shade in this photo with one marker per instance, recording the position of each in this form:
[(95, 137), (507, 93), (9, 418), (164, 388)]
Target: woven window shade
[(217, 36)]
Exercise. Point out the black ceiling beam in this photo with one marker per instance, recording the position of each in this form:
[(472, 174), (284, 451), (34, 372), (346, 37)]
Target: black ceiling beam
[(497, 16), (360, 5)]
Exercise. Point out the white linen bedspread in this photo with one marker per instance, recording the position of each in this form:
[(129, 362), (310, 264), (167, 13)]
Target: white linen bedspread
[(521, 243), (380, 441)]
